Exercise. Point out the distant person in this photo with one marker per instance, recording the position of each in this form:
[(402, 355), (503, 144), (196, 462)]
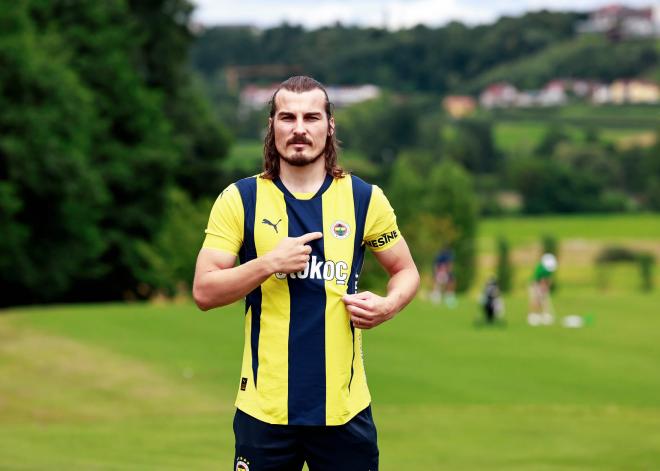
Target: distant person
[(491, 301), (541, 311), (444, 282), (301, 229)]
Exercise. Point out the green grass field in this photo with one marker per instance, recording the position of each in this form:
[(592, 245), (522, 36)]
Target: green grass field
[(592, 227), (151, 387), (518, 131), (581, 238), (138, 387), (522, 138)]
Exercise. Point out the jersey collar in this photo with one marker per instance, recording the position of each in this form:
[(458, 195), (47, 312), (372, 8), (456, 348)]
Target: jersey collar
[(326, 184)]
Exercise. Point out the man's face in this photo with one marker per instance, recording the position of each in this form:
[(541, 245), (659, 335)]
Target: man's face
[(301, 126)]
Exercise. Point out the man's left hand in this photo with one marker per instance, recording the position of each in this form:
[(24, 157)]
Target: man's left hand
[(367, 310)]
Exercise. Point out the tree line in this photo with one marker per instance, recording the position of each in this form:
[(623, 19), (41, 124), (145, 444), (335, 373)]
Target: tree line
[(528, 50), (103, 131)]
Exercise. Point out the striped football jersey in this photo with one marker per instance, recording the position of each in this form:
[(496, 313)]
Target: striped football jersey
[(302, 358)]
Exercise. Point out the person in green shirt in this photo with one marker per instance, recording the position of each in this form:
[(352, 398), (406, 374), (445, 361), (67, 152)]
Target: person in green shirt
[(540, 303)]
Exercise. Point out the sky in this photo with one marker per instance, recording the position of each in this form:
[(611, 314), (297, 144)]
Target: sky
[(391, 13)]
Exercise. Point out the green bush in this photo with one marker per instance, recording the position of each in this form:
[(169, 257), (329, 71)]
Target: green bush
[(504, 266), (612, 254), (550, 244), (168, 264), (646, 262), (436, 205), (617, 254)]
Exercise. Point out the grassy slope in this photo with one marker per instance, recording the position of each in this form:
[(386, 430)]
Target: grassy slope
[(562, 58), (140, 387), (519, 131), (593, 227)]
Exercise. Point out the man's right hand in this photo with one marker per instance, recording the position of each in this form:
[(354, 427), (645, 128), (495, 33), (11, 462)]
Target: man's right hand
[(292, 253)]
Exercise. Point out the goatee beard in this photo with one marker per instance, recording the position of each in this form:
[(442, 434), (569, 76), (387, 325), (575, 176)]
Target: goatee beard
[(299, 159)]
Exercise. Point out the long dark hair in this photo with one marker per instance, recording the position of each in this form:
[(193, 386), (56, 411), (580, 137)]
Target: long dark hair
[(300, 84)]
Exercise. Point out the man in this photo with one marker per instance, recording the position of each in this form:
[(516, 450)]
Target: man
[(540, 303), (444, 282), (300, 230), (492, 302)]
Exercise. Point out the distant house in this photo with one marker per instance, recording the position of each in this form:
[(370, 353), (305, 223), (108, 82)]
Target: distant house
[(621, 21), (500, 94), (256, 97), (643, 91), (346, 96), (584, 88), (527, 98), (601, 95), (634, 91), (459, 106), (553, 94)]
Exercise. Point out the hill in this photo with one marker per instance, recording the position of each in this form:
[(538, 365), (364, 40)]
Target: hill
[(589, 56), (528, 50)]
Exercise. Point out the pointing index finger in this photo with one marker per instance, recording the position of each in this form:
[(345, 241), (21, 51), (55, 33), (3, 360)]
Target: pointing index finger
[(310, 236)]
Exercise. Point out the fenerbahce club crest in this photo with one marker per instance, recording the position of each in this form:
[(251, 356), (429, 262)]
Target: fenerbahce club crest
[(242, 464), (340, 230)]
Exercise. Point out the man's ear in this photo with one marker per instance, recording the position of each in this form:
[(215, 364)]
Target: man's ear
[(331, 126), (270, 123)]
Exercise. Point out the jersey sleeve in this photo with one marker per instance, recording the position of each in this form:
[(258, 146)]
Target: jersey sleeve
[(225, 227), (380, 229)]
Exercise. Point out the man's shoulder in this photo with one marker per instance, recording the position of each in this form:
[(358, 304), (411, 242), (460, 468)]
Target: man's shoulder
[(361, 188), (251, 180), (247, 184), (355, 180)]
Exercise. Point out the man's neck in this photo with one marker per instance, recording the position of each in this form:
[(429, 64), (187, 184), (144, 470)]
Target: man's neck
[(307, 179)]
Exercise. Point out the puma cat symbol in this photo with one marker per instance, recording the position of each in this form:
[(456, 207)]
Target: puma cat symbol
[(266, 221)]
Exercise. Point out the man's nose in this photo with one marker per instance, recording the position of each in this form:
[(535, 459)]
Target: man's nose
[(299, 128)]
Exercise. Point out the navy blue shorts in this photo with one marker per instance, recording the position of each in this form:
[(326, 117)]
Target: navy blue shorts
[(266, 447)]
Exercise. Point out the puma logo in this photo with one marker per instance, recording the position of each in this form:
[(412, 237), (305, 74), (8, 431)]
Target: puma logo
[(266, 221)]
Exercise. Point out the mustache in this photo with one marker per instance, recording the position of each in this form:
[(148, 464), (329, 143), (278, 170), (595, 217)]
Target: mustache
[(299, 140)]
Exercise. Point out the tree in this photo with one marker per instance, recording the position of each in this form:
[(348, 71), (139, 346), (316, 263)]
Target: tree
[(473, 146), (169, 261), (548, 186), (379, 129), (163, 39), (504, 267), (436, 205), (451, 193), (651, 166), (553, 136), (51, 193), (100, 119)]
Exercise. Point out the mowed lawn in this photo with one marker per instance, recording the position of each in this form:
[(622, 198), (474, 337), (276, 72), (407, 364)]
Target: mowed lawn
[(147, 387), (151, 387)]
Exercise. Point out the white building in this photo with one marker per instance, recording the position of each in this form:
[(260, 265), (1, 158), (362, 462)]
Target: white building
[(254, 97), (553, 94), (601, 95), (623, 21), (257, 97), (500, 94), (346, 96)]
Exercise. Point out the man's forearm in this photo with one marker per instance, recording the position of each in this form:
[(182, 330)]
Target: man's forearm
[(401, 288), (220, 287)]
